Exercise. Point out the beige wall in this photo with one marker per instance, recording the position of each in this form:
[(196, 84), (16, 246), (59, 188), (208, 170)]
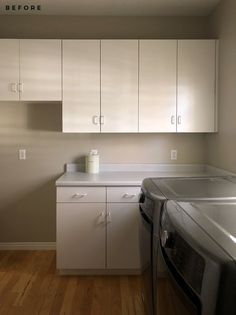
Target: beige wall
[(27, 193), (102, 27), (221, 147)]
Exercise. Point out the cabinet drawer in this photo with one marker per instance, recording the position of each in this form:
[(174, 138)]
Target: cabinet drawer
[(81, 194), (123, 194)]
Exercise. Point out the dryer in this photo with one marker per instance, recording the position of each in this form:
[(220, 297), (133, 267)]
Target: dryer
[(154, 193)]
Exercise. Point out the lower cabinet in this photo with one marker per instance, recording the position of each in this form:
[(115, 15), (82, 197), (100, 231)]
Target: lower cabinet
[(81, 236), (123, 236), (98, 235)]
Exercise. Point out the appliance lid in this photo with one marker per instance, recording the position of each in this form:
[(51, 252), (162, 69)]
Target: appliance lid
[(217, 219), (195, 188), (232, 178)]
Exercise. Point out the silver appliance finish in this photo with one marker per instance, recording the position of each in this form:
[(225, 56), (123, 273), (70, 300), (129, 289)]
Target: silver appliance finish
[(159, 190), (206, 229), (208, 188), (218, 220)]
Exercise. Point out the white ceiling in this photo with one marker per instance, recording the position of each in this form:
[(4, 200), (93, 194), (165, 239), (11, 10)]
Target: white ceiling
[(116, 7)]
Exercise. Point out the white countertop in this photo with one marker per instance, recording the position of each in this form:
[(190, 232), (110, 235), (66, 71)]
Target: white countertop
[(118, 178)]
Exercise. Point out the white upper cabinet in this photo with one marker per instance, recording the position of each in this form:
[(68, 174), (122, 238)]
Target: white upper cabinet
[(30, 70), (116, 86), (157, 85), (9, 69), (119, 85), (196, 99), (81, 85), (40, 70), (177, 87)]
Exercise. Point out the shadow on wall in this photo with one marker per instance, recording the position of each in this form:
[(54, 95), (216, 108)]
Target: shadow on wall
[(79, 160), (44, 116), (31, 217)]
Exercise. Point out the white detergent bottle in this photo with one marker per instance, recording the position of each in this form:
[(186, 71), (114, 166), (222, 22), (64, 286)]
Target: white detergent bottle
[(92, 162)]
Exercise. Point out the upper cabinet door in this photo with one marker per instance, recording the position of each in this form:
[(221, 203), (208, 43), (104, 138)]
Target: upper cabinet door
[(40, 70), (157, 85), (9, 69), (119, 86), (81, 85), (196, 86)]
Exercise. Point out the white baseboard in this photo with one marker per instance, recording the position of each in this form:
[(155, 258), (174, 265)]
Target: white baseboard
[(98, 272), (28, 246)]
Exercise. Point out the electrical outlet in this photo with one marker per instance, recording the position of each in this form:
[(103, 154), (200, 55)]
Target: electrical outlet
[(173, 154), (22, 154)]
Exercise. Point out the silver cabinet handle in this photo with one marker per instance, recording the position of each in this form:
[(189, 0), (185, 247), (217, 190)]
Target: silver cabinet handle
[(179, 120), (129, 195), (13, 87), (172, 120), (79, 195), (109, 217), (20, 87), (101, 217), (95, 120), (102, 120)]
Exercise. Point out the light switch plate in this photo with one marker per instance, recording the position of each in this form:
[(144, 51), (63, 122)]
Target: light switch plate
[(173, 154), (22, 154)]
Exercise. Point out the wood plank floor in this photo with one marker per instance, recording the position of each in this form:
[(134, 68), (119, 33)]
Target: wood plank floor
[(30, 285)]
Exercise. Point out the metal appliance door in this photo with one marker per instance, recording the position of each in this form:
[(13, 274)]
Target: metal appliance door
[(146, 230), (173, 297)]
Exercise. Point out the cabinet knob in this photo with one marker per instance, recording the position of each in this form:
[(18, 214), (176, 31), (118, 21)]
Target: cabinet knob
[(20, 87), (172, 120), (179, 120), (109, 217), (95, 120), (129, 195), (13, 87), (102, 120), (101, 217), (79, 195)]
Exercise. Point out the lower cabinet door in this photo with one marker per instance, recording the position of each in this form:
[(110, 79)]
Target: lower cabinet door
[(81, 235), (123, 236)]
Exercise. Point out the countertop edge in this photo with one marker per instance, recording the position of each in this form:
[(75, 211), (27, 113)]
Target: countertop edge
[(135, 178)]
